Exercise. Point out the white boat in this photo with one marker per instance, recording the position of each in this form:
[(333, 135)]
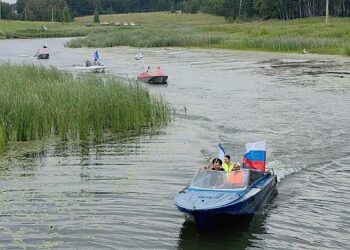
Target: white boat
[(92, 68)]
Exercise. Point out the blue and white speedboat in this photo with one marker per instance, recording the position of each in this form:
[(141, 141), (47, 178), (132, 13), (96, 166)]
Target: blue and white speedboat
[(213, 194)]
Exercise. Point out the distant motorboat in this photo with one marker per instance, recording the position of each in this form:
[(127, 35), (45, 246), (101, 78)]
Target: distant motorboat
[(157, 77), (92, 68), (42, 53)]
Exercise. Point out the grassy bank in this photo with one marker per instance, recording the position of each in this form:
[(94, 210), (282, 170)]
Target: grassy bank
[(195, 30), (36, 101), (23, 29), (200, 30)]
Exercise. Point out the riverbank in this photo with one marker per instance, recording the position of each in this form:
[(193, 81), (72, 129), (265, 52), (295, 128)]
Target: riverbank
[(160, 29), (202, 30), (36, 101)]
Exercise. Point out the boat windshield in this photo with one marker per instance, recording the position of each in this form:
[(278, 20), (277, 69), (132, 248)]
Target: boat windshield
[(220, 179)]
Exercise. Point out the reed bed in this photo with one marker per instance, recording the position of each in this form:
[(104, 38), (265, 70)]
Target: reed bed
[(282, 44), (146, 38), (347, 49), (37, 101), (39, 33), (200, 30), (162, 29)]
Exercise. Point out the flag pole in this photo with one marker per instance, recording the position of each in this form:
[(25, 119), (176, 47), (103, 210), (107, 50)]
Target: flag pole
[(144, 66)]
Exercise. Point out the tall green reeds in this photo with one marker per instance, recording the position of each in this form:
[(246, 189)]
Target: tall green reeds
[(347, 49), (37, 101), (146, 38)]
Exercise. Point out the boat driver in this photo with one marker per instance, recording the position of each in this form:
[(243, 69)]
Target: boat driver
[(216, 164)]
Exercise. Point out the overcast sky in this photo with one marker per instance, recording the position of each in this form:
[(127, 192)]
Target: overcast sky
[(9, 1)]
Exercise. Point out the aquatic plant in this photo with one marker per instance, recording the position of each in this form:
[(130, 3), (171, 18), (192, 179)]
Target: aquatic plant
[(37, 101), (347, 49)]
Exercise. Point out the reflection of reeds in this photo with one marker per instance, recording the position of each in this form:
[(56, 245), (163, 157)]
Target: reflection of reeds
[(37, 101)]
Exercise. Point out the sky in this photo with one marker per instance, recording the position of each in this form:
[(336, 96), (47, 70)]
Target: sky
[(9, 1)]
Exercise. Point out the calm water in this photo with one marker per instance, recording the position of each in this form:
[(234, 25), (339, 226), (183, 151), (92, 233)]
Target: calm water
[(119, 194)]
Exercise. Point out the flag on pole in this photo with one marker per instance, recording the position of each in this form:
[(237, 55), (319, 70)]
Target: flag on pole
[(96, 56), (221, 154), (255, 157), (138, 56)]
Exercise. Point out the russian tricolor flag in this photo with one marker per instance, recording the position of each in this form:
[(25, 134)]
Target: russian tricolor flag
[(255, 157)]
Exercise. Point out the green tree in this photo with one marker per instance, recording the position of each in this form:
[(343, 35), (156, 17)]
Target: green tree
[(66, 17), (96, 16)]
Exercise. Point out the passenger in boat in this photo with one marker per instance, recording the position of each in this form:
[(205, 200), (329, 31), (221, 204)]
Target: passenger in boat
[(159, 71), (97, 63), (148, 69), (44, 49), (87, 63), (228, 165)]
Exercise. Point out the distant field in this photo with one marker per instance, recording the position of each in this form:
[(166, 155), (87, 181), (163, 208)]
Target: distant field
[(200, 30), (26, 29)]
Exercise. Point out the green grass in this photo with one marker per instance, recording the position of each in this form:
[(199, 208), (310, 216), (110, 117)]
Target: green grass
[(36, 102), (347, 49), (23, 29), (200, 30), (162, 29)]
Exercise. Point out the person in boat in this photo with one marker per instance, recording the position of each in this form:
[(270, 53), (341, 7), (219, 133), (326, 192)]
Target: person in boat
[(148, 69), (228, 165), (159, 71), (97, 63), (87, 63), (45, 50), (216, 164)]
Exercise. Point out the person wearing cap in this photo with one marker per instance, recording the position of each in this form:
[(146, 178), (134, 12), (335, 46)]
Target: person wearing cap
[(229, 166)]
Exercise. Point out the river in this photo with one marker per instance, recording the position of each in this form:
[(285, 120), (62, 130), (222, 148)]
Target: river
[(119, 194)]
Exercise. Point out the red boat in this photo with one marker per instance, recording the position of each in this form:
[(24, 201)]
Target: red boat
[(157, 77)]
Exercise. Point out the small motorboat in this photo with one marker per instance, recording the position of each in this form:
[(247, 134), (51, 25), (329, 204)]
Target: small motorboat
[(92, 68), (152, 78), (212, 194), (42, 53), (158, 76)]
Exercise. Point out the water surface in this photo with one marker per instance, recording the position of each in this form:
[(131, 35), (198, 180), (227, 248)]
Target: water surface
[(119, 194)]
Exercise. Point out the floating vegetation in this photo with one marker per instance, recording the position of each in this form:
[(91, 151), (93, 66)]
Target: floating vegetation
[(37, 101)]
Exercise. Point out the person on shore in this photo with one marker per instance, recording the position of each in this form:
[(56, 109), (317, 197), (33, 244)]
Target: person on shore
[(228, 165)]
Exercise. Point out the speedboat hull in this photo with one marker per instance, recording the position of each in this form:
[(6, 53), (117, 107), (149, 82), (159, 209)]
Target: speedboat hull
[(205, 207), (93, 69), (43, 56), (153, 78)]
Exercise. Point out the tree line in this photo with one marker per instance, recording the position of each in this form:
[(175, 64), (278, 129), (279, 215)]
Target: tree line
[(281, 9), (66, 10)]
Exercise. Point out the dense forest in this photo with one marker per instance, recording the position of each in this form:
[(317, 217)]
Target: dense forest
[(66, 10)]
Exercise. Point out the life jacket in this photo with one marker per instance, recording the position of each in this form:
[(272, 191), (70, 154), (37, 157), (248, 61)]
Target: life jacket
[(236, 177)]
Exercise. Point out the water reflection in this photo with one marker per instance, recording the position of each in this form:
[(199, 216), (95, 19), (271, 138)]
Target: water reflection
[(230, 233)]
